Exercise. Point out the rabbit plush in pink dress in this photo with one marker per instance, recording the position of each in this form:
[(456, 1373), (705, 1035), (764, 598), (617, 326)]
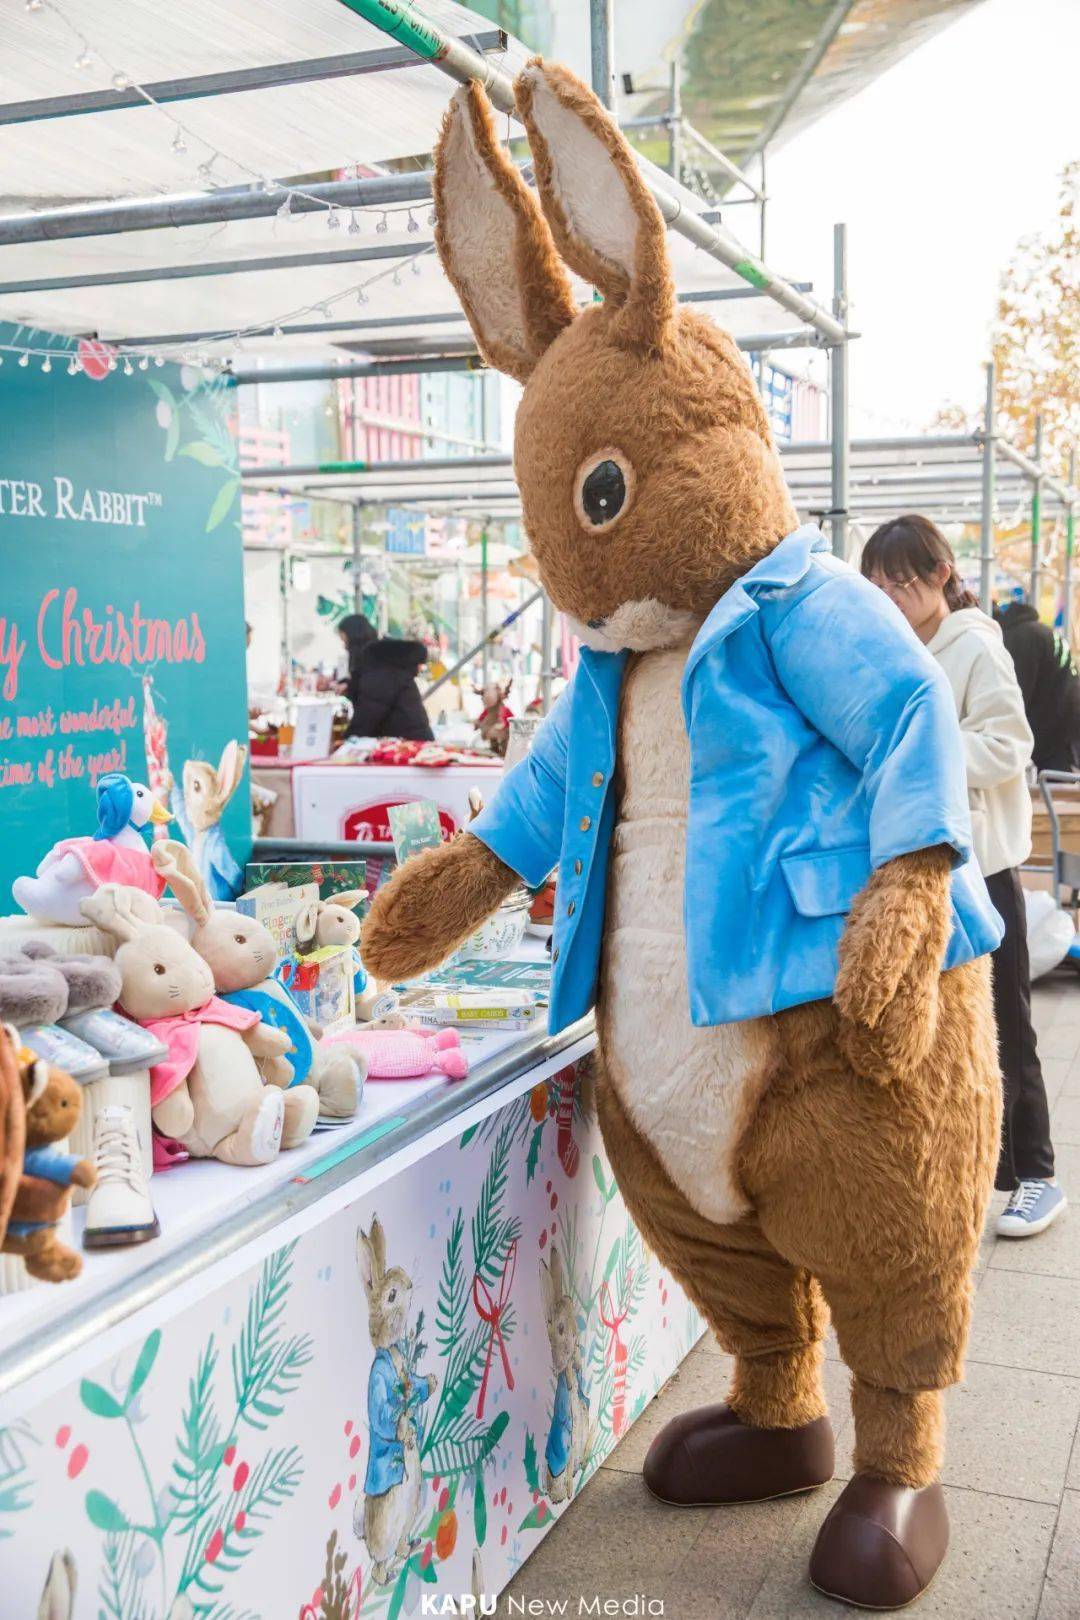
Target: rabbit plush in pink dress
[(404, 1054)]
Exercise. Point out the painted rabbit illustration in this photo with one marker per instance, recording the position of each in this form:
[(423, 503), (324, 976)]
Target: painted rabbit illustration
[(58, 1598), (386, 1511), (568, 1437), (753, 789), (198, 807)]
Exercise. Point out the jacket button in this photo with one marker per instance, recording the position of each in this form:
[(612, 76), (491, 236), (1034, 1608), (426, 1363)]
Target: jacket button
[(598, 779), (555, 954), (571, 908), (586, 823), (577, 868)]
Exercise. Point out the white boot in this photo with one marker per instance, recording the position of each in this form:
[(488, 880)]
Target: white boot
[(119, 1210), (129, 1051)]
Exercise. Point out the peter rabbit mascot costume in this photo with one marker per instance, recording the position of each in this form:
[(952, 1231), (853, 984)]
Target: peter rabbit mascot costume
[(754, 792)]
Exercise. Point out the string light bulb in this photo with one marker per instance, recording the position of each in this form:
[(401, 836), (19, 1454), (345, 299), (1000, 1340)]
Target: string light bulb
[(278, 333), (416, 269), (397, 277), (84, 60), (285, 211), (431, 217), (361, 297), (46, 364), (179, 144), (72, 368), (112, 362), (382, 227), (414, 224), (128, 367), (354, 223), (121, 81), (144, 364), (24, 359), (333, 222), (35, 5), (158, 360)]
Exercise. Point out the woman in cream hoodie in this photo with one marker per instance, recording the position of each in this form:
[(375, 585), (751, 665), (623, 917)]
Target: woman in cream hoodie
[(910, 559)]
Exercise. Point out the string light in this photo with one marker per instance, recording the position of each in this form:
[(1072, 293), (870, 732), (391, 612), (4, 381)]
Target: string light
[(72, 368), (397, 277), (278, 333), (144, 364), (46, 364), (414, 224), (362, 297), (128, 367), (416, 268), (84, 60), (383, 226), (333, 223), (35, 5), (121, 81), (285, 211), (24, 359), (354, 224), (179, 144), (431, 217)]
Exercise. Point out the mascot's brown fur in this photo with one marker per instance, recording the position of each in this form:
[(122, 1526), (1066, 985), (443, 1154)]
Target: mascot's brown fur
[(866, 1147)]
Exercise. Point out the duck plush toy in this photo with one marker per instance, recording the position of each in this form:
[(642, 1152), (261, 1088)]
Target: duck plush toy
[(116, 853), (753, 788)]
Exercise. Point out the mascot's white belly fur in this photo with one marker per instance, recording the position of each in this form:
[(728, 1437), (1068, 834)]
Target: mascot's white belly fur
[(687, 1090)]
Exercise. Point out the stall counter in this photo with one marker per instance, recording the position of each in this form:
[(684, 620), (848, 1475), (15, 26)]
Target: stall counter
[(343, 1347)]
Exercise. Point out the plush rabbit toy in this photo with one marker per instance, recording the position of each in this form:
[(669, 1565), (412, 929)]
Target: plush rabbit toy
[(754, 792), (334, 922), (242, 955), (208, 1094)]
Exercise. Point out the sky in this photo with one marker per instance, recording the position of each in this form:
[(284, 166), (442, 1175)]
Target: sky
[(938, 168)]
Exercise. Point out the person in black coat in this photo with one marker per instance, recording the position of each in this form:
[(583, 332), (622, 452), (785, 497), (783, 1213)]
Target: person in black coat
[(1049, 683), (382, 683)]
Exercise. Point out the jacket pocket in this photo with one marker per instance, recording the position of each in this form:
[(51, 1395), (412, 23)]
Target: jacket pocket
[(824, 882)]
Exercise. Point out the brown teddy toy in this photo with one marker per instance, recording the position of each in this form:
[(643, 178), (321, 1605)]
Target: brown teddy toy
[(53, 1102)]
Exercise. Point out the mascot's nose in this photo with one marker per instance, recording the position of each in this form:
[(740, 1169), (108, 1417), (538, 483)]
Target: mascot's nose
[(595, 624)]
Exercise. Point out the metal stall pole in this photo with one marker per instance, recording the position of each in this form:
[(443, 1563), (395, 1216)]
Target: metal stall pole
[(838, 398), (989, 475), (602, 50), (1036, 515), (284, 586), (484, 605), (545, 653), (675, 131), (1070, 536), (761, 208), (357, 558)]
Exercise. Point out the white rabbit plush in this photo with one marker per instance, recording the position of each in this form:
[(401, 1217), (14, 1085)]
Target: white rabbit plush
[(568, 1436), (387, 1510), (208, 1094), (242, 955)]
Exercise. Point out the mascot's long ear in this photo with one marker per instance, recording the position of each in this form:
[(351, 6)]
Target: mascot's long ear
[(493, 241), (605, 223)]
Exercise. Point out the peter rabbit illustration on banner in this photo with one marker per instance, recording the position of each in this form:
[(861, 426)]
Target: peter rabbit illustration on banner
[(753, 790), (58, 1598), (568, 1437), (388, 1509), (198, 805)]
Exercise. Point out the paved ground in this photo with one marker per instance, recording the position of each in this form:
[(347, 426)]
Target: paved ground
[(1012, 1473)]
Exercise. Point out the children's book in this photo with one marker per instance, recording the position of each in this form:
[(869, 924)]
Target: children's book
[(332, 877), (277, 907)]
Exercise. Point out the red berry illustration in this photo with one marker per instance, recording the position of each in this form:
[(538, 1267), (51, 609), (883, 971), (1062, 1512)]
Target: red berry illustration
[(214, 1546), (502, 1538), (240, 1477), (349, 1427), (240, 1521), (425, 1556), (554, 1199), (543, 1238), (444, 1500), (335, 1496), (352, 1482), (77, 1462), (63, 1435), (230, 1456), (354, 1445)]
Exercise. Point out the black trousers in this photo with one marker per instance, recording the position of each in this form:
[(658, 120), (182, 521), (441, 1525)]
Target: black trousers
[(1026, 1150)]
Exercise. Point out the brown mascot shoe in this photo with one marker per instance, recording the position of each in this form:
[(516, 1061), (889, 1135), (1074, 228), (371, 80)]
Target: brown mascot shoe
[(882, 1544), (709, 1456)]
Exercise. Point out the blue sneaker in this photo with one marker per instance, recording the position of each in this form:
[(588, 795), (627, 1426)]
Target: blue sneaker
[(1030, 1209)]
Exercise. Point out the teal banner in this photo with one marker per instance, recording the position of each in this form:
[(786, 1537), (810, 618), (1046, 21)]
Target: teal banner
[(122, 642)]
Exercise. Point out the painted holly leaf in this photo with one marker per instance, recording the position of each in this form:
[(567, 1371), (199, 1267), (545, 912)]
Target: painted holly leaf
[(532, 1473), (99, 1401), (537, 1515), (612, 1260), (223, 503), (468, 1135), (480, 1509), (147, 1357), (534, 1153), (163, 392), (104, 1514), (202, 452), (598, 1176)]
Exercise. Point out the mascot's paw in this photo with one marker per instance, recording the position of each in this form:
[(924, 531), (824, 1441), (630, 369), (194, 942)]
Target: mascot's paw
[(890, 964), (430, 906)]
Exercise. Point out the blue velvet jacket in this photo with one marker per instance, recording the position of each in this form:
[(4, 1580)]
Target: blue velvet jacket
[(823, 742), (386, 1402)]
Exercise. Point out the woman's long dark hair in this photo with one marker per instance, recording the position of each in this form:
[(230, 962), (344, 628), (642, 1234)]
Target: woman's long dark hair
[(911, 547)]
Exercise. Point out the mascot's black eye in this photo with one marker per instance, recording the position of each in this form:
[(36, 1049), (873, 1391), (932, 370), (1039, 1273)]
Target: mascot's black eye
[(603, 494)]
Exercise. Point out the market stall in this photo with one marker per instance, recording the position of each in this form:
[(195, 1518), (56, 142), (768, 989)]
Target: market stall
[(197, 1425)]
